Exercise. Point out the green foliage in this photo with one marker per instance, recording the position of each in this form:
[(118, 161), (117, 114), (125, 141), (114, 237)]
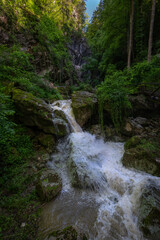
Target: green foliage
[(145, 73), (15, 67), (113, 92), (119, 84), (15, 152), (108, 33), (82, 87)]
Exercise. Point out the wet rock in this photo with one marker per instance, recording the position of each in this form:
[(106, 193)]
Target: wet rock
[(149, 212), (85, 166), (141, 155), (84, 106), (108, 133), (47, 141), (34, 112), (134, 126), (48, 185), (69, 233), (96, 130)]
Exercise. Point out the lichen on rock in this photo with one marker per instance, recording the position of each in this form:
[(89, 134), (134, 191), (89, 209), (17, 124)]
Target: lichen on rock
[(48, 186)]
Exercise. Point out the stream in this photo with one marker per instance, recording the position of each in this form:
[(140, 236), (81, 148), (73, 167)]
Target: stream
[(99, 197)]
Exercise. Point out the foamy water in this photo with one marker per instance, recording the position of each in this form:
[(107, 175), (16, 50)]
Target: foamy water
[(106, 205)]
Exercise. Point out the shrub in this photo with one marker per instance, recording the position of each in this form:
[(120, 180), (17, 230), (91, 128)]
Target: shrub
[(114, 91)]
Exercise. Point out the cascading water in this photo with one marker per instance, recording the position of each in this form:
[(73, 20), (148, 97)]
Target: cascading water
[(105, 204)]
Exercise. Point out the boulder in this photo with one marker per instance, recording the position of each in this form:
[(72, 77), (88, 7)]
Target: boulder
[(34, 112), (149, 212), (49, 185), (84, 106), (134, 126), (69, 233), (142, 105), (142, 155), (46, 140)]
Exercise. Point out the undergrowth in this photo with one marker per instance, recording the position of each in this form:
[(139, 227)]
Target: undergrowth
[(15, 68), (18, 201), (113, 92)]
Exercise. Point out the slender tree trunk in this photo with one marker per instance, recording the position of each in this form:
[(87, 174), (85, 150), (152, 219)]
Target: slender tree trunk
[(150, 42), (131, 34)]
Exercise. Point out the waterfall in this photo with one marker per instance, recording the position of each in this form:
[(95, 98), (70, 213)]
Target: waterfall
[(100, 197), (65, 107)]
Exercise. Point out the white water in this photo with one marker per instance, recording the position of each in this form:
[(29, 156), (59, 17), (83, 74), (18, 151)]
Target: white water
[(106, 208), (65, 106)]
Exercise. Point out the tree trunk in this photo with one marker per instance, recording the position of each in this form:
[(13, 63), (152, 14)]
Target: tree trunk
[(150, 42), (131, 34)]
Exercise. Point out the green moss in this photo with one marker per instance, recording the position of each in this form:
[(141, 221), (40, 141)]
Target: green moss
[(141, 154), (132, 142)]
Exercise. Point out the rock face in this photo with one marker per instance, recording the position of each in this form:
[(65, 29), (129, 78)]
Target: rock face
[(84, 106), (142, 155), (142, 105), (149, 212), (48, 186), (142, 126), (34, 112), (79, 50), (69, 233)]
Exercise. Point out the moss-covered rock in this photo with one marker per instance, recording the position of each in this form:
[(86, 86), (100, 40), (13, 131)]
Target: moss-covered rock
[(132, 142), (69, 233), (84, 106), (48, 185), (46, 140), (142, 155), (34, 112), (149, 212)]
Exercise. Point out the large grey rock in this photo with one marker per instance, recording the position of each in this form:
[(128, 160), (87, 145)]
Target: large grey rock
[(142, 155), (34, 112), (48, 185), (149, 212), (84, 106), (85, 167)]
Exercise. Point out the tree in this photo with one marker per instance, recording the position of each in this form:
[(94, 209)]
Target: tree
[(131, 34), (150, 42)]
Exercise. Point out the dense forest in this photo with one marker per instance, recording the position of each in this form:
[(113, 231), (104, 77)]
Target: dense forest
[(109, 66)]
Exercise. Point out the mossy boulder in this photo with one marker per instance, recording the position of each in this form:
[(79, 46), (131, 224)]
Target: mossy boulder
[(149, 212), (69, 233), (35, 112), (46, 140), (84, 106), (49, 185), (132, 142), (142, 155)]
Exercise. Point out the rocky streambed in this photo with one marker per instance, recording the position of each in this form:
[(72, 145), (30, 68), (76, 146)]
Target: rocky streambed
[(96, 187)]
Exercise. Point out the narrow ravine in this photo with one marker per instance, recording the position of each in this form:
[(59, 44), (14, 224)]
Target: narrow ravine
[(99, 197)]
